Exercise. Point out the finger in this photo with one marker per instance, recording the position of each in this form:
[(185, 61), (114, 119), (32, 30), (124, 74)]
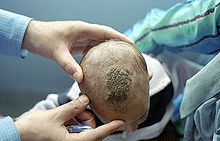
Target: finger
[(104, 130), (105, 32), (69, 65), (113, 34), (87, 118), (150, 75), (71, 109)]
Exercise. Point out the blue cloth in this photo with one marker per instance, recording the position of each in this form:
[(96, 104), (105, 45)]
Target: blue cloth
[(201, 88), (201, 103), (8, 130), (204, 123), (12, 29), (176, 103), (190, 26)]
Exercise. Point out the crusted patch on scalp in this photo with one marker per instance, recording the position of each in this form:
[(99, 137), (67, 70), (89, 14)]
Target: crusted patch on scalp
[(118, 83)]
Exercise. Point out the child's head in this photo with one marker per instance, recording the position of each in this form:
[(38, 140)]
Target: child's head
[(116, 82)]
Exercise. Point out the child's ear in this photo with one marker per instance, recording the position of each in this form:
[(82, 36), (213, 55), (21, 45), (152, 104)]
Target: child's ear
[(150, 75)]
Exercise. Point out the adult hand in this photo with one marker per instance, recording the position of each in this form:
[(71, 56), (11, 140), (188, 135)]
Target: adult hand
[(61, 40), (49, 124)]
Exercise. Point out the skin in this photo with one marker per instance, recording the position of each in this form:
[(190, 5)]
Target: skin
[(48, 125), (60, 41), (96, 65)]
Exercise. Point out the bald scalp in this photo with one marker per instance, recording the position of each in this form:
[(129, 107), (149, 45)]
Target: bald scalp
[(115, 76)]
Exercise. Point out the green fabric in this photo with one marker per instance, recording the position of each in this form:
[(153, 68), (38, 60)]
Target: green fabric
[(192, 26)]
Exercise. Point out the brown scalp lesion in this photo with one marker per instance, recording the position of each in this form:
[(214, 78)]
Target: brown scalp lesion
[(118, 82), (111, 70)]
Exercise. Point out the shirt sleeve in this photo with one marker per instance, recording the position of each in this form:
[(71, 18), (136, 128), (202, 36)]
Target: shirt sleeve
[(190, 26), (12, 30), (8, 130)]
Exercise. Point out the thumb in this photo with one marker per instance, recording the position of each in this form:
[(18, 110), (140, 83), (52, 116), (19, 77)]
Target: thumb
[(71, 109), (69, 65)]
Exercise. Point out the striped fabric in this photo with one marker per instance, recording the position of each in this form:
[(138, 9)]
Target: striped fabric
[(8, 130), (191, 26)]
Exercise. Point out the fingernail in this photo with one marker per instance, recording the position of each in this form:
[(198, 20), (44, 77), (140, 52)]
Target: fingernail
[(76, 76), (84, 99), (121, 123)]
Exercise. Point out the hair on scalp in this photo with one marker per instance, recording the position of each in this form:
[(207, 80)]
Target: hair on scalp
[(118, 83), (110, 69)]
